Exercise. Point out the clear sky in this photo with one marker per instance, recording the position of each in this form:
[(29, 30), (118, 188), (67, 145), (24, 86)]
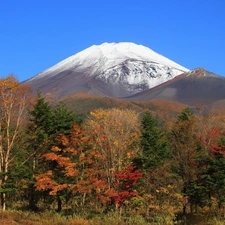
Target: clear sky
[(37, 34)]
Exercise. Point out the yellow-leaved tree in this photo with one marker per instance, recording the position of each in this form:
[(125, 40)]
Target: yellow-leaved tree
[(13, 104), (116, 133)]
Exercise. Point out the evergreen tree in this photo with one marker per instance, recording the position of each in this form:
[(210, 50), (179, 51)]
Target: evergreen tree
[(40, 125), (63, 119), (185, 115), (153, 144), (45, 123), (151, 160), (183, 144), (210, 182)]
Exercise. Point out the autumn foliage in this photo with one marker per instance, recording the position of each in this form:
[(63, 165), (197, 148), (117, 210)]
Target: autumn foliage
[(79, 167), (74, 162), (123, 187), (13, 108), (115, 160)]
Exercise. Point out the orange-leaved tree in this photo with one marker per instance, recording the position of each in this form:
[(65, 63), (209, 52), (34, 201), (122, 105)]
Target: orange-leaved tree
[(75, 168), (13, 106)]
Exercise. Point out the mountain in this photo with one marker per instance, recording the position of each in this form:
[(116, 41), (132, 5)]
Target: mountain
[(83, 104), (194, 88), (111, 69)]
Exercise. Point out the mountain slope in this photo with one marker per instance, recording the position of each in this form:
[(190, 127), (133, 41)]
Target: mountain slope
[(194, 88), (83, 104), (116, 70)]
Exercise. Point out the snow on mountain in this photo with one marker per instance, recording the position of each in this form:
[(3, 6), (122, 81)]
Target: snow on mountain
[(116, 70), (104, 56), (136, 76)]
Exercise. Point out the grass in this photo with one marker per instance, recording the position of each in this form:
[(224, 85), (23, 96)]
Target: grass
[(29, 218), (47, 218)]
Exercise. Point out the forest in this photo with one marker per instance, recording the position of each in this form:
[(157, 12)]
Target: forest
[(115, 166)]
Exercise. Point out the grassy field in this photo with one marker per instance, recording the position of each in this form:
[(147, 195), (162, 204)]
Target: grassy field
[(29, 218)]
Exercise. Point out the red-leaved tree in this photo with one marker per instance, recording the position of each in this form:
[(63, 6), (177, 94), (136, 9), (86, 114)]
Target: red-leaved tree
[(123, 186)]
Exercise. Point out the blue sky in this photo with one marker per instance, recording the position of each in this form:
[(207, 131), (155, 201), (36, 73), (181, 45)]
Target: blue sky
[(37, 34)]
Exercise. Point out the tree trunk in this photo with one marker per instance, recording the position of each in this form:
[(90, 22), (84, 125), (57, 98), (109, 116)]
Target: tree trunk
[(32, 199), (3, 194), (59, 201), (3, 201)]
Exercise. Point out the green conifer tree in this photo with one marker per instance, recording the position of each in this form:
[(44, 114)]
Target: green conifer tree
[(183, 145), (45, 123), (153, 144)]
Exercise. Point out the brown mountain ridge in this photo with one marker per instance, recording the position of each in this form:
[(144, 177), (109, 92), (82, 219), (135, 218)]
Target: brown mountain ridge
[(194, 88)]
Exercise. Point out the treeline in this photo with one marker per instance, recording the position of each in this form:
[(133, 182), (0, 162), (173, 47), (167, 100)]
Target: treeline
[(114, 160)]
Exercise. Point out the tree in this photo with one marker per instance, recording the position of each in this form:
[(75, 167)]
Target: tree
[(210, 176), (13, 107), (116, 133), (183, 144), (45, 123), (77, 170), (40, 126), (154, 146), (63, 119), (123, 188), (152, 160), (217, 172), (208, 125), (124, 185)]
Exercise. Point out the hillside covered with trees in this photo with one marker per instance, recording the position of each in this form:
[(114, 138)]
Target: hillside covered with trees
[(121, 162)]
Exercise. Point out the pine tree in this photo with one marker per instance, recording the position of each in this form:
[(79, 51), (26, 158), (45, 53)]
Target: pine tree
[(63, 119), (210, 182), (40, 125), (45, 123), (184, 146), (153, 144)]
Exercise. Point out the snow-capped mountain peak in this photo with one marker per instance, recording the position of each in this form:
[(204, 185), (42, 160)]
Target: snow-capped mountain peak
[(107, 55), (115, 69)]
